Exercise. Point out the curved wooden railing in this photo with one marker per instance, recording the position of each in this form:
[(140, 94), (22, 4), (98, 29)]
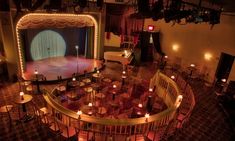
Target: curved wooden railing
[(164, 87)]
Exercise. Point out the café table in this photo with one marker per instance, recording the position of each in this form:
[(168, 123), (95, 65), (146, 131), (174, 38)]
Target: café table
[(22, 102), (86, 80), (96, 76)]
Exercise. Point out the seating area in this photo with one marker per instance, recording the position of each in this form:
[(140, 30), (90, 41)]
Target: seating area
[(54, 128)]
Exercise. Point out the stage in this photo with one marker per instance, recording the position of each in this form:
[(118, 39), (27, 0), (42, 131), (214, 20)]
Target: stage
[(64, 66)]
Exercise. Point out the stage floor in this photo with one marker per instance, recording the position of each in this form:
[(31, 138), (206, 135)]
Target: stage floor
[(65, 67)]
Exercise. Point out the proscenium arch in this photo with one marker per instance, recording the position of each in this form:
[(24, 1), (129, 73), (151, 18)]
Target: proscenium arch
[(36, 20)]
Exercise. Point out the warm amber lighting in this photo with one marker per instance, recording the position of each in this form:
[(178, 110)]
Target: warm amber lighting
[(98, 71), (175, 47), (114, 86), (146, 116), (123, 72), (165, 56), (73, 79), (223, 80), (208, 56), (192, 65), (140, 105), (150, 90), (90, 104), (173, 77), (178, 101), (21, 93), (79, 112), (36, 72)]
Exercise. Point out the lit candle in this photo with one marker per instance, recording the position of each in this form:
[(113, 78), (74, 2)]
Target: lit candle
[(173, 77), (150, 90), (146, 116), (223, 80), (74, 79), (125, 51), (98, 71), (192, 65), (165, 56), (22, 95), (36, 72), (79, 112), (114, 86), (140, 105), (90, 104), (123, 72)]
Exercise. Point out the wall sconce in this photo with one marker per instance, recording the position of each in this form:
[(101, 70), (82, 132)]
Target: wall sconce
[(207, 56), (123, 72), (175, 47)]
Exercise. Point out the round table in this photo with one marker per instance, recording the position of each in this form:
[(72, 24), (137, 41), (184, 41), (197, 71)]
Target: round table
[(86, 80), (107, 80), (88, 89), (26, 98), (73, 83), (22, 101)]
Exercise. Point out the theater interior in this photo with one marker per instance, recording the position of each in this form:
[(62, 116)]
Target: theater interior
[(117, 70)]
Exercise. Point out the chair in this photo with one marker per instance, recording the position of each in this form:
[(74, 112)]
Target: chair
[(66, 132), (5, 109)]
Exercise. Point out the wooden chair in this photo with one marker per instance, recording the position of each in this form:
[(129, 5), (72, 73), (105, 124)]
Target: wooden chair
[(5, 110)]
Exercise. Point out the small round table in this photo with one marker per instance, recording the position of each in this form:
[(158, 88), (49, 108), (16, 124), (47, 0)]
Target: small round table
[(22, 101)]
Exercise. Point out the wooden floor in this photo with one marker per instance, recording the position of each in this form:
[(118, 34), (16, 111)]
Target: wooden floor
[(51, 68)]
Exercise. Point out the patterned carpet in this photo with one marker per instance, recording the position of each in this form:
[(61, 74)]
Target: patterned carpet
[(207, 122)]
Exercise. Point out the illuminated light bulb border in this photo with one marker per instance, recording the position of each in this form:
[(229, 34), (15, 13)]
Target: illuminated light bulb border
[(19, 26)]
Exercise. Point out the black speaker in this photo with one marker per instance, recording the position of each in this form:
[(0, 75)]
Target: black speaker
[(224, 66), (99, 3), (143, 6)]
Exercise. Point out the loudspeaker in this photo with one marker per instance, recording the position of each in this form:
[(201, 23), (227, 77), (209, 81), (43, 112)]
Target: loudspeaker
[(99, 3), (143, 6), (224, 66)]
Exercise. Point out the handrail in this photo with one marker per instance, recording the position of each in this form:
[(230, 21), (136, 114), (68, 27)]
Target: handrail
[(163, 117)]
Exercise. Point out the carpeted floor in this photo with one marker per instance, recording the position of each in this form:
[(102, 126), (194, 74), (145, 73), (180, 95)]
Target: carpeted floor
[(207, 122)]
